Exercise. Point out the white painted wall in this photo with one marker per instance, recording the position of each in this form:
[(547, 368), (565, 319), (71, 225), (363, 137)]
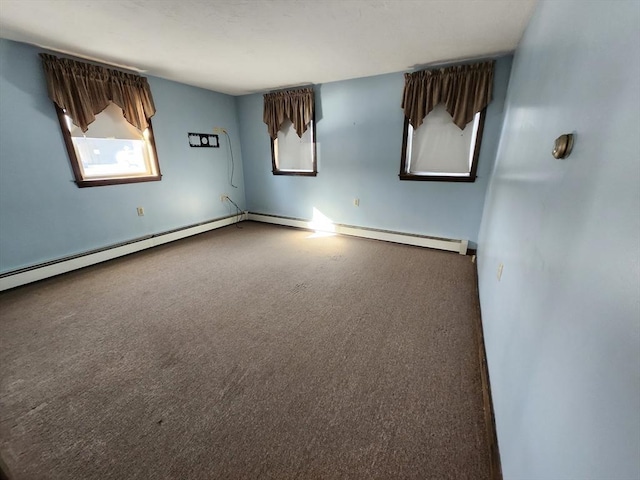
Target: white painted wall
[(562, 327)]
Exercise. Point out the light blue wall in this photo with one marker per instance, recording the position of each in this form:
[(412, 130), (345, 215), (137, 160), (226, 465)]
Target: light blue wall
[(562, 327), (359, 133), (44, 215)]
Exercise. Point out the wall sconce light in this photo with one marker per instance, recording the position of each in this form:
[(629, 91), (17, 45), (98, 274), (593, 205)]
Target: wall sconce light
[(563, 146)]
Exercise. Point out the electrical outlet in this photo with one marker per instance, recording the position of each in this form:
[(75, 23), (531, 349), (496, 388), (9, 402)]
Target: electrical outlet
[(499, 274), (356, 202), (140, 211), (224, 197), (219, 130)]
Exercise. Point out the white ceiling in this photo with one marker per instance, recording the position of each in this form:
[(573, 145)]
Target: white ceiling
[(245, 46)]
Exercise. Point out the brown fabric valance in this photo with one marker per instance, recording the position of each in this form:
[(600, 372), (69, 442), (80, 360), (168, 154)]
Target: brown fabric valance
[(84, 90), (296, 105), (464, 89)]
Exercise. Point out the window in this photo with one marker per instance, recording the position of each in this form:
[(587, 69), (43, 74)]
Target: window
[(444, 112), (111, 151), (105, 118), (293, 155), (439, 151), (289, 116)]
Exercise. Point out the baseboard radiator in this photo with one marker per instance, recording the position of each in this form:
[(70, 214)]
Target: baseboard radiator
[(459, 246), (41, 271)]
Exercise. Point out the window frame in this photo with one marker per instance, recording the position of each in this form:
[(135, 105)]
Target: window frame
[(314, 160), (406, 175), (83, 182)]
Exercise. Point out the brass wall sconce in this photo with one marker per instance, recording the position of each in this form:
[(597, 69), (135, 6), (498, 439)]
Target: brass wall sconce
[(563, 146)]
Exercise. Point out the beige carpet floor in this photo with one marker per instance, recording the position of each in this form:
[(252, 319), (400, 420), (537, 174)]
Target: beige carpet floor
[(261, 352)]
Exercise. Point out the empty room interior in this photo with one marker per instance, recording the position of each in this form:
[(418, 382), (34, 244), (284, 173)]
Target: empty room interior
[(332, 239)]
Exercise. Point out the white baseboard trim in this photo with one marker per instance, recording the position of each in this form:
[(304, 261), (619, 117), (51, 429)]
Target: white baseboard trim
[(50, 269), (57, 267), (451, 245)]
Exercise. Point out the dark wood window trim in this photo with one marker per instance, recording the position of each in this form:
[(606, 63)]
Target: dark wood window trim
[(405, 175), (75, 165), (314, 161)]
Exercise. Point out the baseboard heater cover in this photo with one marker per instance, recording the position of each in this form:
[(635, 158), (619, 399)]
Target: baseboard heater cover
[(451, 245), (34, 273), (41, 271)]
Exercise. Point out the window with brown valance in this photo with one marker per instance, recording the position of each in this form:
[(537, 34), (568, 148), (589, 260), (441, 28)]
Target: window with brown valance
[(105, 118), (83, 90), (295, 105), (289, 116), (438, 105), (464, 90)]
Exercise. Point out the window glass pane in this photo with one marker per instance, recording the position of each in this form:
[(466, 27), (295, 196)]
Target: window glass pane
[(112, 147), (292, 152), (102, 157), (440, 147)]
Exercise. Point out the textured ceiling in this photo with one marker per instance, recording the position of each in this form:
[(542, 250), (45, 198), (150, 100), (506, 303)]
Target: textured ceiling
[(244, 46)]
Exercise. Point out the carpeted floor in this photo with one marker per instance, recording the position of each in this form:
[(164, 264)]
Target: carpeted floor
[(261, 352)]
